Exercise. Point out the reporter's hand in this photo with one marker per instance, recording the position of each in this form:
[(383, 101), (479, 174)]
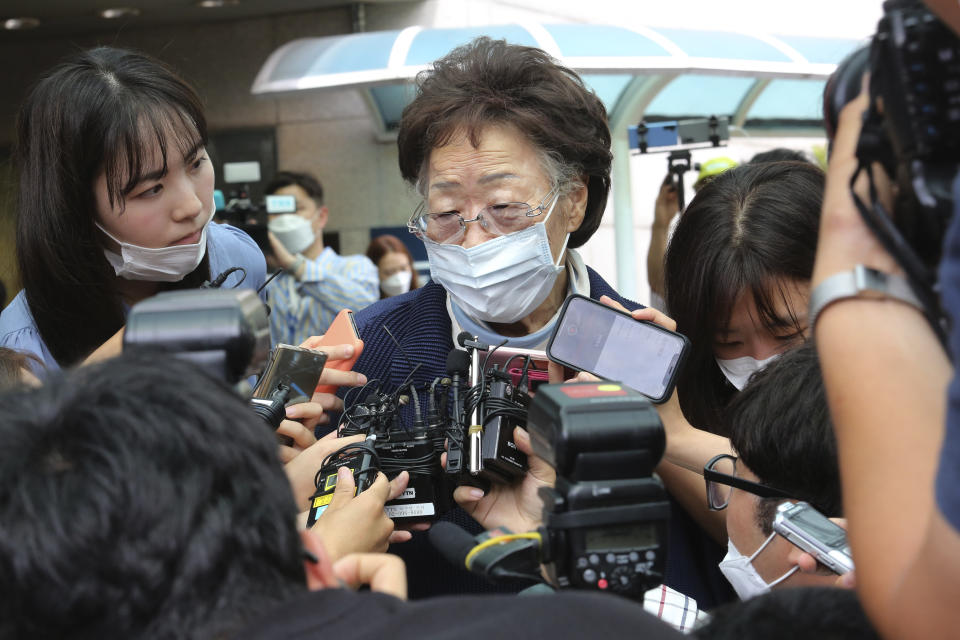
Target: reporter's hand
[(331, 376), (301, 432), (354, 524), (667, 205), (302, 469), (808, 564), (282, 256), (844, 239), (382, 572), (518, 506)]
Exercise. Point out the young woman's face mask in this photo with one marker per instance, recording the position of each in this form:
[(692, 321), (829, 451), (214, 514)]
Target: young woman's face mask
[(157, 231), (746, 343)]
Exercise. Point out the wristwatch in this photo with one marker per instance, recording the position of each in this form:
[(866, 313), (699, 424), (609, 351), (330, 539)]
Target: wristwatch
[(860, 282)]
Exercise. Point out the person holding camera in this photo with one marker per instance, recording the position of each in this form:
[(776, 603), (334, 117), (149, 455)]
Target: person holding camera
[(114, 524), (316, 282), (114, 205), (893, 391)]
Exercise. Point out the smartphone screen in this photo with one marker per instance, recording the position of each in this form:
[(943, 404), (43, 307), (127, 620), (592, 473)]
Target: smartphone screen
[(593, 337)]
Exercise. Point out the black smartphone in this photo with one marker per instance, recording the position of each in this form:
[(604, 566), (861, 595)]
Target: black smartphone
[(592, 337)]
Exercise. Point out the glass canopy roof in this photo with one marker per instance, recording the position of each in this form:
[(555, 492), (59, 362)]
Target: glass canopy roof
[(754, 78)]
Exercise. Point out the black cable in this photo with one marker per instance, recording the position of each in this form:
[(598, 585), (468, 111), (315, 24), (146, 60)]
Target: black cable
[(918, 276), (217, 282), (270, 279), (359, 447)]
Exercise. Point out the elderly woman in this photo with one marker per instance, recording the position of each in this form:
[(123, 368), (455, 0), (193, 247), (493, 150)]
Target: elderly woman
[(511, 154)]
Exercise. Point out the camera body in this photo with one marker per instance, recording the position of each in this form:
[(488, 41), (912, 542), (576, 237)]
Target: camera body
[(225, 331), (912, 127), (606, 520)]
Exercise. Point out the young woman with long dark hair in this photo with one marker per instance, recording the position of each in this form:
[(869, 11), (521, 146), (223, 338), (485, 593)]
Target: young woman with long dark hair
[(738, 274), (114, 204)]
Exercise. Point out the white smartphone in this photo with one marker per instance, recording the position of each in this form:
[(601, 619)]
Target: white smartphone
[(816, 534)]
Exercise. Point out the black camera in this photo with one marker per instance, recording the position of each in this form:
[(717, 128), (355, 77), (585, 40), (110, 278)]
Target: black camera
[(605, 522), (912, 129), (224, 331)]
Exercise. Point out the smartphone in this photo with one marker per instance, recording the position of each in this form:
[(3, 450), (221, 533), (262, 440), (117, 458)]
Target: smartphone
[(592, 337), (296, 367), (343, 330), (816, 534)]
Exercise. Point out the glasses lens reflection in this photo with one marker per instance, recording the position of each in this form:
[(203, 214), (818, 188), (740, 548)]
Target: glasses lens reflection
[(719, 494)]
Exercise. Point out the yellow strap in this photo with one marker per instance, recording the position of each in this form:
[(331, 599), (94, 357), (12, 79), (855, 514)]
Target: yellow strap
[(486, 544)]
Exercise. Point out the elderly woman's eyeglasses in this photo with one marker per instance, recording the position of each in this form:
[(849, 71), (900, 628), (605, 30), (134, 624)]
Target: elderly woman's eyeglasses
[(498, 219), (720, 474)]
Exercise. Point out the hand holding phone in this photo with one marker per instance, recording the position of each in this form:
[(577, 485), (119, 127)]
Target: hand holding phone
[(816, 534), (343, 330), (593, 337)]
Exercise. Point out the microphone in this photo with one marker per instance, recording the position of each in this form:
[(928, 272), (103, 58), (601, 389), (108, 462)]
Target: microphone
[(468, 341), (452, 542), (496, 554), (458, 364)]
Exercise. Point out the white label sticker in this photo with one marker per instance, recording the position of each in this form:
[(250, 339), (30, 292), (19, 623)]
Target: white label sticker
[(409, 510)]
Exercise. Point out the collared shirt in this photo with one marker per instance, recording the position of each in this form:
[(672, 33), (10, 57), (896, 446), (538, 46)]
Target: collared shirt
[(330, 282), (674, 608)]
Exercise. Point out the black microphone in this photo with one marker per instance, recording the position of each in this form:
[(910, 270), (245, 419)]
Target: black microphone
[(458, 362), (514, 560), (452, 542), (463, 337)]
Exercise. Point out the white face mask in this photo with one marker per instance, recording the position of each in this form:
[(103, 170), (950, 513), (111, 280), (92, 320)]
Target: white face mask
[(739, 370), (501, 280), (739, 571), (396, 283), (294, 232), (166, 264)]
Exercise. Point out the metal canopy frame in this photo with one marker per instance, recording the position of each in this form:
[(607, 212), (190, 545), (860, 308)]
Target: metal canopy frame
[(647, 60)]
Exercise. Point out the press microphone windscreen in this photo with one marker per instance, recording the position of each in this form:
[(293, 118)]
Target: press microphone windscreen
[(452, 542), (458, 361), (462, 338)]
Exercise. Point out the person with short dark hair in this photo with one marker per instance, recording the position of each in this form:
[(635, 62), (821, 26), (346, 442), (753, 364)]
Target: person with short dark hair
[(781, 433), (317, 283), (780, 154), (114, 205), (791, 614), (114, 523)]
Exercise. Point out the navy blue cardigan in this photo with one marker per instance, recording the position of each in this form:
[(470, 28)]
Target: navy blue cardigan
[(421, 325)]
